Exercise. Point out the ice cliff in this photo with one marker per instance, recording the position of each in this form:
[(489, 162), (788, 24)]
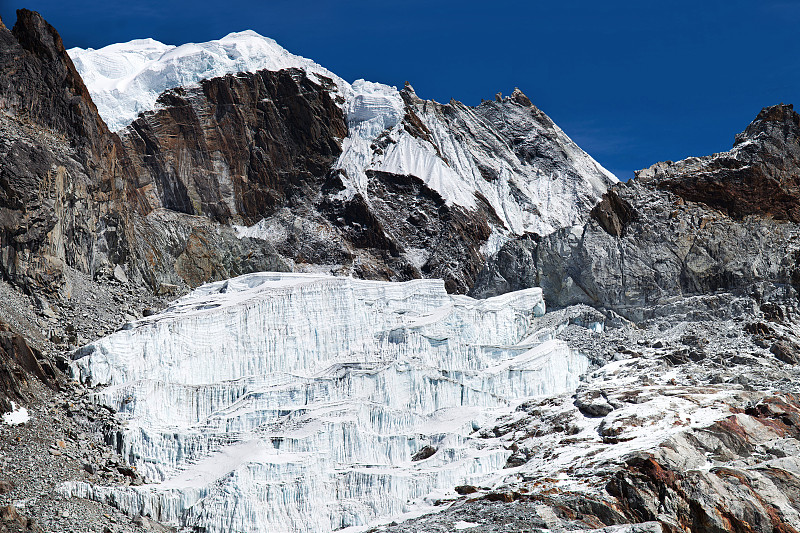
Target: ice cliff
[(296, 402)]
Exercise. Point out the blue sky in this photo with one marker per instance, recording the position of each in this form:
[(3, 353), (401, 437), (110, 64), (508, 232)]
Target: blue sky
[(631, 82)]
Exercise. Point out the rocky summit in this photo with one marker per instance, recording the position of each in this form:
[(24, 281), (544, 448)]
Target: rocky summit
[(268, 299)]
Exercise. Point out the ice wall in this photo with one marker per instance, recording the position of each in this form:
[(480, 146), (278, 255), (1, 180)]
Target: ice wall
[(296, 403)]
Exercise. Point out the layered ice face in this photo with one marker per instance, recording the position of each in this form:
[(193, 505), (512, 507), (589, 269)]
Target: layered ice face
[(294, 403)]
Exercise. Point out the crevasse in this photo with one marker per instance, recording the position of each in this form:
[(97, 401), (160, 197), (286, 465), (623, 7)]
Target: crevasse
[(296, 402)]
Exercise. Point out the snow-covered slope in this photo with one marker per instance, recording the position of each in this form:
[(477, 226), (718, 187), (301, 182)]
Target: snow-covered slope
[(125, 79), (507, 155), (291, 402), (506, 152)]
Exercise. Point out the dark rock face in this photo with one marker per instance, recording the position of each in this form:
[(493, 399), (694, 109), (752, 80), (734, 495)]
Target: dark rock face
[(613, 213), (179, 250), (59, 182), (513, 268), (649, 240), (259, 148), (403, 219), (18, 360), (72, 195), (40, 82), (760, 175), (238, 148)]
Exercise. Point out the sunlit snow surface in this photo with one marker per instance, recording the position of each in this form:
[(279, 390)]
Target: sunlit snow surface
[(17, 415), (290, 402), (527, 196), (125, 79)]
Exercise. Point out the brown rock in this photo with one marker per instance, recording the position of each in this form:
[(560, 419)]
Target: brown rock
[(254, 142), (17, 359), (786, 352), (59, 181), (759, 176), (613, 213)]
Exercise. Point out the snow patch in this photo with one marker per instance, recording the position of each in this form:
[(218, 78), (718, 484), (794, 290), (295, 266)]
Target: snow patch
[(17, 416)]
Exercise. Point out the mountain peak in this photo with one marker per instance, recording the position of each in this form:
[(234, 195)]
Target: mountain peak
[(41, 80), (519, 97), (758, 176), (780, 122), (125, 79), (37, 36)]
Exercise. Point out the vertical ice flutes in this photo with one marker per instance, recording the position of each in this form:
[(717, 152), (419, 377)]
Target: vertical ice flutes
[(301, 403)]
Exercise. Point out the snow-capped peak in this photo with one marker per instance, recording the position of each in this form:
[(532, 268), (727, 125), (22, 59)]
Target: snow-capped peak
[(505, 155), (125, 79)]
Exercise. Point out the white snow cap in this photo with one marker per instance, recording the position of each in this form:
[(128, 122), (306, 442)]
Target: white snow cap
[(125, 79)]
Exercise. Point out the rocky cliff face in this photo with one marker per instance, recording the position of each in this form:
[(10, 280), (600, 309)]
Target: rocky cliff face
[(236, 148), (718, 223), (61, 189), (73, 196), (759, 176), (410, 196)]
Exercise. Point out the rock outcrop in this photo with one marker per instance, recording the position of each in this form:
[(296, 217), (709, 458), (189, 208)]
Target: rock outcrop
[(759, 176), (236, 148), (18, 362), (667, 234), (61, 189)]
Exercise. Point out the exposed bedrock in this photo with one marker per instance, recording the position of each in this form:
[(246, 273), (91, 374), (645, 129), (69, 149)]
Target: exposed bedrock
[(667, 234), (18, 361), (61, 189), (238, 147)]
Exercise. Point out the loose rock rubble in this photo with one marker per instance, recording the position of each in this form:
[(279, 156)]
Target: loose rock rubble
[(683, 425), (63, 439)]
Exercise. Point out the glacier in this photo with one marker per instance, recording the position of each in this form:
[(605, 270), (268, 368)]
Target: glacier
[(309, 403)]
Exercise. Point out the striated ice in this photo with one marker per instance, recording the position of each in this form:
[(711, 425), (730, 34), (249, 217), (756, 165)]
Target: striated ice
[(296, 402)]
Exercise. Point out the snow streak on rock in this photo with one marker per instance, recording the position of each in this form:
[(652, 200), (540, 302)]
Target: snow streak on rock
[(291, 402), (506, 153)]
